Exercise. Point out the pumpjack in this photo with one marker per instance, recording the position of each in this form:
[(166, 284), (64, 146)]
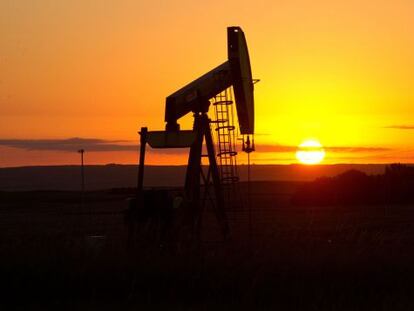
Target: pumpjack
[(195, 98)]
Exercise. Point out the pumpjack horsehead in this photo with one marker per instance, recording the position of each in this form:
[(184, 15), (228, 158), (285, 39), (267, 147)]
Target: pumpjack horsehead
[(195, 98)]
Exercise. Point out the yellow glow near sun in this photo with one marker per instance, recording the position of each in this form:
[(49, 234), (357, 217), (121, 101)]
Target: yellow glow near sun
[(310, 152)]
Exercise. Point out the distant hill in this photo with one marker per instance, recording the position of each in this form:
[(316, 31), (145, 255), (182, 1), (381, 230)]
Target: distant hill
[(119, 176)]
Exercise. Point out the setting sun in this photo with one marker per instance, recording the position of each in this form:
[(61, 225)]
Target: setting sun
[(310, 152)]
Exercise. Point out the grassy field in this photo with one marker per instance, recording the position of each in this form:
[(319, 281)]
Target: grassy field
[(57, 253)]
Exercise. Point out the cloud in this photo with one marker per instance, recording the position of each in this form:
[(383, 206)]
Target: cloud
[(69, 144), (400, 127), (356, 149), (346, 149), (88, 144), (275, 148), (102, 145)]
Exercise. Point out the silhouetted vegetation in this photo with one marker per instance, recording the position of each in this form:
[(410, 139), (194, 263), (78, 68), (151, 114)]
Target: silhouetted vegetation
[(353, 187)]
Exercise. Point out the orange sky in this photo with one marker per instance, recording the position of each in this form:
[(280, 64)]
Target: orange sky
[(338, 71)]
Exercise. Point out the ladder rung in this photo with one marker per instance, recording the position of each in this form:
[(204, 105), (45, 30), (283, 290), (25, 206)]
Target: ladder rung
[(233, 153), (228, 127), (223, 102)]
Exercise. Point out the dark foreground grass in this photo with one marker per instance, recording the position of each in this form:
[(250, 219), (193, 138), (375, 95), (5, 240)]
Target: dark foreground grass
[(357, 258)]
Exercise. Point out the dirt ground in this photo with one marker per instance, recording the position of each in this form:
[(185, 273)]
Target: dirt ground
[(58, 252)]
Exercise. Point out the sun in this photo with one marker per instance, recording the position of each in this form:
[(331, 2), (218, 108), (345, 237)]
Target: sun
[(310, 152)]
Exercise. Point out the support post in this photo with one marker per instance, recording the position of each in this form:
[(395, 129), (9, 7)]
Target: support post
[(219, 208), (141, 166), (192, 181), (82, 151)]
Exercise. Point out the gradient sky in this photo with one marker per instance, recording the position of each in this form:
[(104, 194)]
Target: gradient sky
[(338, 71)]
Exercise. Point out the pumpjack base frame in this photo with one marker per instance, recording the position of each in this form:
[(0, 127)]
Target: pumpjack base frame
[(194, 140)]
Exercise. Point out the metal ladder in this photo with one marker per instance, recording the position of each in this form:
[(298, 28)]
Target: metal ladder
[(226, 142)]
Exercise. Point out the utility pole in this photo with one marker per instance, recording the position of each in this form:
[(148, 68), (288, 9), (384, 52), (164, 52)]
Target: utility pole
[(82, 151)]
